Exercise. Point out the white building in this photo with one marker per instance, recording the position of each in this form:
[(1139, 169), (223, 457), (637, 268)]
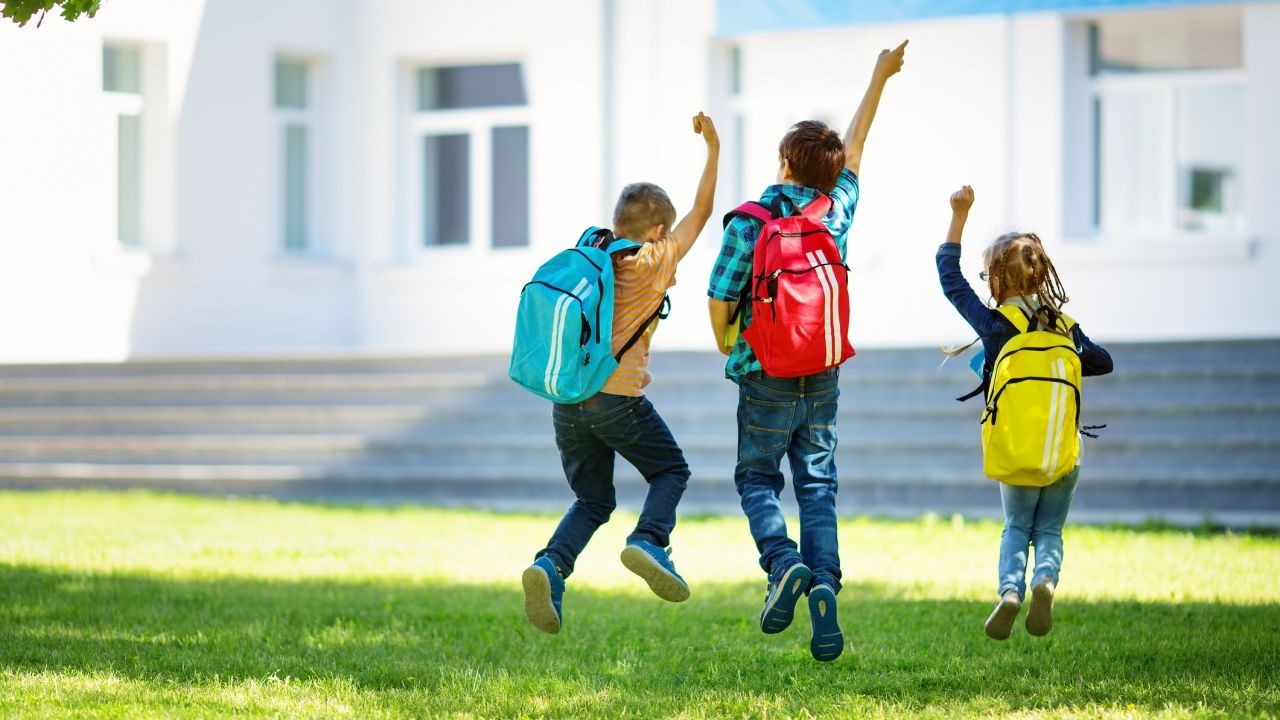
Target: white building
[(196, 177)]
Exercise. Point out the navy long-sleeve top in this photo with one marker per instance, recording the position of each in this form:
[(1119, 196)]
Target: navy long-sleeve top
[(994, 329)]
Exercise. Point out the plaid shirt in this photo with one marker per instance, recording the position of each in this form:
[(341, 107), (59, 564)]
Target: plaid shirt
[(733, 266)]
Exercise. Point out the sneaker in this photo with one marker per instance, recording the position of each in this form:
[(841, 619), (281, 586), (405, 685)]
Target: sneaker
[(1000, 624), (780, 602), (1040, 614), (654, 565), (828, 641), (543, 591)]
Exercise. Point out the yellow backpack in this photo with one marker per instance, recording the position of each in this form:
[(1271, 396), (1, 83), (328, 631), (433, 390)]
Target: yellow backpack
[(1031, 424)]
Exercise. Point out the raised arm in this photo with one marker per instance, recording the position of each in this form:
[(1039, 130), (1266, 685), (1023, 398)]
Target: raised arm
[(855, 138), (954, 285), (690, 226)]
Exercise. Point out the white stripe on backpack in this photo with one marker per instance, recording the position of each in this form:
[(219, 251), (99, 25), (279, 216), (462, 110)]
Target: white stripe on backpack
[(837, 342), (827, 335), (557, 338)]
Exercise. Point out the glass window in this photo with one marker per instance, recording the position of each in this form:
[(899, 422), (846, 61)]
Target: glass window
[(1132, 150), (129, 180), (446, 189), (1162, 42), (1169, 106), (295, 187), (510, 186), (470, 86), (121, 69), (1209, 158), (291, 85)]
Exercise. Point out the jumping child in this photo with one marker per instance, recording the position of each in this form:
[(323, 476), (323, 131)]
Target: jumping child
[(1026, 289)]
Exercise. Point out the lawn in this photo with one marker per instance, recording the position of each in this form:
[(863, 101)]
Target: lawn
[(140, 605)]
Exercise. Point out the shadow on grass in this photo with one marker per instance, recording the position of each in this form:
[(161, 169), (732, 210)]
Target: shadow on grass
[(468, 648)]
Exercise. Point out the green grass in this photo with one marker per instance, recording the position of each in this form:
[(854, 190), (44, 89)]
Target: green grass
[(141, 605)]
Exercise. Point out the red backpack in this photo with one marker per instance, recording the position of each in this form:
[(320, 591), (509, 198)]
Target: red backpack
[(799, 292)]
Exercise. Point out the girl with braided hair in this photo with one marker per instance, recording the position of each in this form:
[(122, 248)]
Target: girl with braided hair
[(1019, 273)]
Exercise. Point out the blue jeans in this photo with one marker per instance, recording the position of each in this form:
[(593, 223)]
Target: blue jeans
[(1035, 516), (795, 418), (589, 434)]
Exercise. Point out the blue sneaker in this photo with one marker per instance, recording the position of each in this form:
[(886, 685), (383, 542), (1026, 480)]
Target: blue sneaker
[(780, 602), (543, 591), (654, 565), (828, 641)]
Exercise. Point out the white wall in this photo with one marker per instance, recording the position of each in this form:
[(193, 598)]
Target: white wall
[(992, 101)]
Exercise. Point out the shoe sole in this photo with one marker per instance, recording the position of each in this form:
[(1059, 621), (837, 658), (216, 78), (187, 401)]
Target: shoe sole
[(661, 582), (537, 600), (1000, 625), (781, 608), (1040, 614), (828, 640)]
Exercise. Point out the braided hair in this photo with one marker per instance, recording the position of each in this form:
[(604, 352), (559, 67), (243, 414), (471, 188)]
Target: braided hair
[(1017, 265)]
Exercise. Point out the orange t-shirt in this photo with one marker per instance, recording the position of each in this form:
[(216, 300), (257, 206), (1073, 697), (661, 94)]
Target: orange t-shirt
[(639, 281)]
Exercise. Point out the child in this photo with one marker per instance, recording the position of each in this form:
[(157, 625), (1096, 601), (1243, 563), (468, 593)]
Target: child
[(619, 419), (1019, 273), (794, 417)]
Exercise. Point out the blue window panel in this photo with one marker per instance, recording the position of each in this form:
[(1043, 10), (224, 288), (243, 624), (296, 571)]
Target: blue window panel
[(129, 180), (295, 188), (446, 163), (511, 186), (743, 16)]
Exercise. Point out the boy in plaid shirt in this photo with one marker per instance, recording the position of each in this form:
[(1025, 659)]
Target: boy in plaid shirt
[(795, 417)]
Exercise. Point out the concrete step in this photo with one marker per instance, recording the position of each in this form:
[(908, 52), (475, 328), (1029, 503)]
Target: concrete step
[(1192, 428), (1229, 450)]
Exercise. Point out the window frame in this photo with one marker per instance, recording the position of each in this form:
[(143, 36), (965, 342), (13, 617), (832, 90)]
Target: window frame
[(478, 125), (316, 245), (123, 103), (1166, 86)]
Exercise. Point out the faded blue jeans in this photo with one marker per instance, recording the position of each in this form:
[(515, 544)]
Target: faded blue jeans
[(793, 418), (589, 435), (1034, 516)]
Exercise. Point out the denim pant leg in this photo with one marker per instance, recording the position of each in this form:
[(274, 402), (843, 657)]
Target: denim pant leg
[(813, 472), (1019, 517), (765, 422), (1046, 531), (645, 441), (588, 466)]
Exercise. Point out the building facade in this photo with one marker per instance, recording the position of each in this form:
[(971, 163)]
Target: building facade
[(221, 177)]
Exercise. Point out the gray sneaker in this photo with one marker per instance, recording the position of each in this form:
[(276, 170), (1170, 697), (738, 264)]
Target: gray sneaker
[(1000, 624), (1040, 614)]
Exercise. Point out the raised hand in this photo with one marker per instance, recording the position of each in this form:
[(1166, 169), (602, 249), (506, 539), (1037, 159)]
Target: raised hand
[(962, 200), (890, 61), (702, 125)]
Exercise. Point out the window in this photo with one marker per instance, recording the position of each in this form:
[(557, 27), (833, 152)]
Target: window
[(470, 125), (1168, 102), (293, 103), (122, 86)]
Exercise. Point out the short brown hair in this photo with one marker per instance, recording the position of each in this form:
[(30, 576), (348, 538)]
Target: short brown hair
[(815, 154), (641, 206)]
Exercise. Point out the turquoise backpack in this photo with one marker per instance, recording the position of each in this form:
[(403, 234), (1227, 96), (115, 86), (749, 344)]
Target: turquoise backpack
[(564, 324)]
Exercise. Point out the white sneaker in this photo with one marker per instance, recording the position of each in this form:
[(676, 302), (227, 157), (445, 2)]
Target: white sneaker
[(1000, 624)]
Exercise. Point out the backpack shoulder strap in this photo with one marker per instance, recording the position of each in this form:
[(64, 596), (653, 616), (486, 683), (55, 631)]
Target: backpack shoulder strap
[(619, 246), (1015, 315), (595, 237), (817, 208), (661, 313), (750, 209)]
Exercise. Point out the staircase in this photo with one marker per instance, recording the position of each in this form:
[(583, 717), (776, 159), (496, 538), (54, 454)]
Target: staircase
[(1193, 432)]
